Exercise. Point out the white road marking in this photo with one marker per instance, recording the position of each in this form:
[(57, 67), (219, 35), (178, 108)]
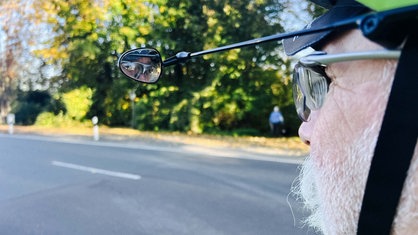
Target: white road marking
[(96, 170)]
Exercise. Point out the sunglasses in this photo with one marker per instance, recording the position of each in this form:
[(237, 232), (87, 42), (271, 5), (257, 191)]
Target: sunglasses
[(310, 82), (135, 68)]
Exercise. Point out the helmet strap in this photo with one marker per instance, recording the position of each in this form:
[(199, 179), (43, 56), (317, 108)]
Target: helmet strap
[(395, 147)]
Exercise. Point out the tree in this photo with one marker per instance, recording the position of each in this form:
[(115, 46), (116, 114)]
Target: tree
[(223, 91), (29, 104), (229, 91), (11, 47), (20, 34), (88, 36)]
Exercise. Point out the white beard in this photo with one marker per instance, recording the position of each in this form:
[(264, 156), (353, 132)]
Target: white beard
[(334, 193)]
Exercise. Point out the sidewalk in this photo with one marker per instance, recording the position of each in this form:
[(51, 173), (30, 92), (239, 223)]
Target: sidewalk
[(269, 149)]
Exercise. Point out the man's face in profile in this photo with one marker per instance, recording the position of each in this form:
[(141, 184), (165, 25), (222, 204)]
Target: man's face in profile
[(342, 136), (144, 76), (139, 69)]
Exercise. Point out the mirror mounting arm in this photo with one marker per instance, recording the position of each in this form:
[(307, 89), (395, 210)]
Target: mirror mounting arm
[(180, 57)]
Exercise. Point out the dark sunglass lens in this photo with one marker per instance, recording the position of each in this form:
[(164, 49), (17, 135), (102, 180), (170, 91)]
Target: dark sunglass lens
[(140, 68), (298, 97), (314, 86)]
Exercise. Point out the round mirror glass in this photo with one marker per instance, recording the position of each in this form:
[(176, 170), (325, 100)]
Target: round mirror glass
[(142, 64)]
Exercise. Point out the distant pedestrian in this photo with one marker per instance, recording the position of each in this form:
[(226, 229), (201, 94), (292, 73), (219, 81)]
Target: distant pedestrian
[(276, 121)]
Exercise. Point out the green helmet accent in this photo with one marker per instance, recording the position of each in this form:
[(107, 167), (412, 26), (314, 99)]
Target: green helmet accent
[(382, 5)]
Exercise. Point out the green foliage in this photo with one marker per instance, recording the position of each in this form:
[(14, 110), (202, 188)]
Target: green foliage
[(49, 119), (26, 112), (232, 91), (30, 104), (75, 106), (77, 103), (246, 132)]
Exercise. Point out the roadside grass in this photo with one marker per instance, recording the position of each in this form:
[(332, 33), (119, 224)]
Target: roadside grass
[(282, 145)]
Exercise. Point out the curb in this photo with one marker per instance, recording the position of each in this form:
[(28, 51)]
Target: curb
[(250, 153)]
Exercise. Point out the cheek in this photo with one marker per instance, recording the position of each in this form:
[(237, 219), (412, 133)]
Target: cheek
[(357, 106), (347, 112), (357, 99)]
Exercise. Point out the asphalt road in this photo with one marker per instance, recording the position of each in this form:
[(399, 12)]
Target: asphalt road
[(55, 186)]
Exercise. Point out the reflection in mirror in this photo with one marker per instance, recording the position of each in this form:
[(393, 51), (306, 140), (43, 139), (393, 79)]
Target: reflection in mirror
[(142, 64)]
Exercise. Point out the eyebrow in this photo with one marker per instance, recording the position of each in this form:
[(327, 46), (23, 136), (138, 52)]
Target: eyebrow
[(321, 58)]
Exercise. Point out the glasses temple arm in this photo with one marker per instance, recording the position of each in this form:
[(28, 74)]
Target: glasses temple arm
[(327, 59)]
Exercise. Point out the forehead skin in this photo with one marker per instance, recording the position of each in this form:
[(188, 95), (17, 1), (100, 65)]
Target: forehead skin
[(354, 73), (146, 60), (350, 41)]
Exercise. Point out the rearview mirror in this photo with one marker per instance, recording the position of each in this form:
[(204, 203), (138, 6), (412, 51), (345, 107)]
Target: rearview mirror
[(142, 64)]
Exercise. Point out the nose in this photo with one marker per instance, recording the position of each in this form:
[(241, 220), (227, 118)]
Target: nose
[(306, 128)]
